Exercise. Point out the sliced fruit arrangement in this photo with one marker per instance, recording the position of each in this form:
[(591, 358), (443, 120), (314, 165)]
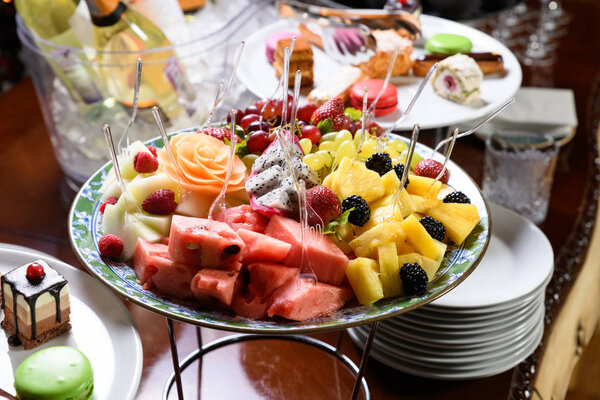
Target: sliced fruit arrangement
[(372, 240)]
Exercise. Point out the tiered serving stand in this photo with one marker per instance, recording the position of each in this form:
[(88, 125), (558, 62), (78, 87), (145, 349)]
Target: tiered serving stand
[(458, 263)]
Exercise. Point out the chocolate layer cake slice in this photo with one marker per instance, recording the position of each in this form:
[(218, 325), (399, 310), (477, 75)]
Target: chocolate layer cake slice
[(35, 299)]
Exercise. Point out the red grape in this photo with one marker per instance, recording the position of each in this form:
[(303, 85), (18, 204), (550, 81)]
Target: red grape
[(258, 142), (239, 114), (251, 110), (305, 111), (247, 120), (259, 126), (311, 132)]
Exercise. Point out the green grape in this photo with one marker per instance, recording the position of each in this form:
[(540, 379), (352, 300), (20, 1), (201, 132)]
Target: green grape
[(343, 136), (368, 149), (248, 160), (329, 146), (398, 145), (314, 160), (415, 158), (328, 157), (328, 136), (346, 149), (306, 145)]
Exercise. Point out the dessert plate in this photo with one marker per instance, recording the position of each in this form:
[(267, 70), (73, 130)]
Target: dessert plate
[(102, 329), (431, 111), (85, 230)]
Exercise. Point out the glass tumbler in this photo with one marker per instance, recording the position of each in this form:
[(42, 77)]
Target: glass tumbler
[(518, 172)]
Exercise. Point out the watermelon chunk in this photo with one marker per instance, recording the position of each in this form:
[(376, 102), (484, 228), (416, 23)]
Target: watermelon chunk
[(155, 269), (327, 261), (265, 278), (302, 299), (215, 283), (205, 243), (250, 306), (243, 217), (261, 247)]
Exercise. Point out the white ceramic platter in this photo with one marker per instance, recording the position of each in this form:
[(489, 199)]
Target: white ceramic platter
[(518, 262), (431, 111), (102, 329)]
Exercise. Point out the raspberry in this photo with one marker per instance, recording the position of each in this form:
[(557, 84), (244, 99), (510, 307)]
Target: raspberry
[(457, 197), (414, 279), (161, 202), (110, 200), (361, 212), (434, 227), (110, 246), (431, 169), (324, 205), (399, 169), (35, 273), (145, 162), (380, 163), (152, 150)]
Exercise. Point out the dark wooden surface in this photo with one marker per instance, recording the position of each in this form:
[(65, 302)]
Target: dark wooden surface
[(33, 212)]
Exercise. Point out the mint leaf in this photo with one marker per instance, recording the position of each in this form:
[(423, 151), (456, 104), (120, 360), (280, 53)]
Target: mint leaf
[(331, 227), (353, 113), (325, 126), (241, 149), (240, 132)]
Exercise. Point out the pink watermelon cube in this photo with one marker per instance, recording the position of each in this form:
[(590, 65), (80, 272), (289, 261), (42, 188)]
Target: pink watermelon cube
[(265, 278), (325, 259), (215, 283), (243, 217), (155, 269), (250, 306), (205, 243), (261, 247), (302, 299)]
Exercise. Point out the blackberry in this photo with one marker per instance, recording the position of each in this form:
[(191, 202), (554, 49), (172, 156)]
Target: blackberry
[(380, 163), (414, 278), (399, 169), (361, 212), (434, 227), (457, 197)]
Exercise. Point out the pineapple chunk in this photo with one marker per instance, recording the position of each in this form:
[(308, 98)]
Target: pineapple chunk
[(389, 270), (366, 244), (355, 178), (362, 274), (419, 202), (458, 218), (443, 246), (390, 182), (431, 196), (418, 237), (346, 232), (341, 244), (328, 181), (429, 266), (419, 185), (379, 215), (405, 248)]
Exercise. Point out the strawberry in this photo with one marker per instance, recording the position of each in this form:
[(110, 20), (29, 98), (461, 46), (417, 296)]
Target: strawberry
[(110, 200), (161, 202), (324, 205), (331, 109), (341, 122), (145, 162), (374, 128), (431, 169), (219, 133), (110, 246), (152, 150)]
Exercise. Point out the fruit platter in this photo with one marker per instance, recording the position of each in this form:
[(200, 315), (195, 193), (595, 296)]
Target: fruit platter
[(210, 229)]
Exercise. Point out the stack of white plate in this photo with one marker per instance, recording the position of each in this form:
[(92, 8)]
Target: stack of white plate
[(487, 324)]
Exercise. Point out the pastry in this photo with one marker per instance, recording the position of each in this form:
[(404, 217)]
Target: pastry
[(490, 63), (448, 43), (271, 43), (457, 78), (378, 65), (55, 373), (301, 59), (338, 84), (387, 103), (36, 305)]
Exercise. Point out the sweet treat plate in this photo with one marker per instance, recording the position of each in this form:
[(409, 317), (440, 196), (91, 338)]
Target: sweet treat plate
[(102, 329), (431, 111), (85, 231)]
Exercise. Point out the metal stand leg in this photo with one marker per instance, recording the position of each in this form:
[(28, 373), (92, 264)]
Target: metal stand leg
[(175, 358), (363, 360), (338, 345), (199, 340)]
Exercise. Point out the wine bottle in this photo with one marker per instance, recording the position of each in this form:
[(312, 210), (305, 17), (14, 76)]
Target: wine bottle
[(121, 35)]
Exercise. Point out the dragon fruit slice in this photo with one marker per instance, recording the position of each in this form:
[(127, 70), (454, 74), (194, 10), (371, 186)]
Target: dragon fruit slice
[(278, 198), (265, 181), (273, 155), (306, 173)]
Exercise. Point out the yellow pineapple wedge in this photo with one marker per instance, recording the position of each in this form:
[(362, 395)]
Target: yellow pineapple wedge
[(390, 181), (389, 270), (404, 248), (419, 202), (363, 276), (355, 178), (459, 219), (419, 185), (429, 266), (367, 243), (419, 238)]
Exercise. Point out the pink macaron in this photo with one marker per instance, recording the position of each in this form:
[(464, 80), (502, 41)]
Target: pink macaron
[(271, 43), (387, 103)]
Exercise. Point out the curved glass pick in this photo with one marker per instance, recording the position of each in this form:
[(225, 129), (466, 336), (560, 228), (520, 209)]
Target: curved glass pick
[(411, 150), (136, 98)]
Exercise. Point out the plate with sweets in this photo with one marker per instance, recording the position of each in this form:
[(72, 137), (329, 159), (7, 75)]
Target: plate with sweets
[(431, 111), (454, 262), (101, 328)]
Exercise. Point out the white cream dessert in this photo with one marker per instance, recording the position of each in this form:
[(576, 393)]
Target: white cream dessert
[(338, 84), (457, 78)]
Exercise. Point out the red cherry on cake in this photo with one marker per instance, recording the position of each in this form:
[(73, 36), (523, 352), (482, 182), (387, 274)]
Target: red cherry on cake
[(35, 273)]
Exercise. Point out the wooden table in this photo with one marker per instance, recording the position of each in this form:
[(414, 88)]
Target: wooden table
[(33, 212)]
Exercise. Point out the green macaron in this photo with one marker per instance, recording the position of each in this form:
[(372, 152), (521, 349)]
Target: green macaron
[(55, 373), (448, 43)]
